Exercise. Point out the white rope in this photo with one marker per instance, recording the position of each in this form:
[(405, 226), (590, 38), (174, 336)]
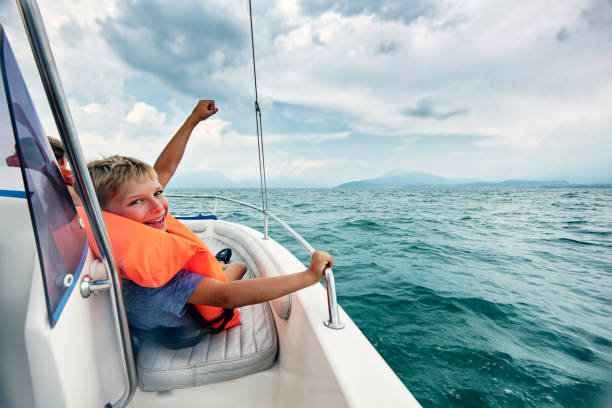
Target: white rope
[(260, 148)]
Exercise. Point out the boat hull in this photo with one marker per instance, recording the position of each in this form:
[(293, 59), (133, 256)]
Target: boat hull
[(316, 365)]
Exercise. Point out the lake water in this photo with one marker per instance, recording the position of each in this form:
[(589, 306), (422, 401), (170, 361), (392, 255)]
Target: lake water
[(477, 297)]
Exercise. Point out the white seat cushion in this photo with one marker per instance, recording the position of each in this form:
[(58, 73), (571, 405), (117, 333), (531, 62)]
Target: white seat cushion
[(244, 349)]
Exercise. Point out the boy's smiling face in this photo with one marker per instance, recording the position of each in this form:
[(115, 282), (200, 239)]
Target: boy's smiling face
[(142, 201)]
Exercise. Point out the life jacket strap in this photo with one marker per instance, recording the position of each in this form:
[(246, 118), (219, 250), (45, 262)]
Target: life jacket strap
[(224, 255), (225, 318)]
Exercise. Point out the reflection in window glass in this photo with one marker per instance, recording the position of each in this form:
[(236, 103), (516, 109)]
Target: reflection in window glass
[(62, 244), (8, 152)]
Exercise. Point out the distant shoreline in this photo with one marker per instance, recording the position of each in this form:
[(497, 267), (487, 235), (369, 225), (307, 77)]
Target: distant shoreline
[(485, 185), (417, 179), (451, 186)]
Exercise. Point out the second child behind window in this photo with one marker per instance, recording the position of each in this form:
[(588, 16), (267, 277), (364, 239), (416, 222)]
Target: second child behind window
[(60, 156)]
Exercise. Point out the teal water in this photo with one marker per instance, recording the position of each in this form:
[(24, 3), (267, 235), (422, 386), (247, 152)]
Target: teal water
[(475, 297)]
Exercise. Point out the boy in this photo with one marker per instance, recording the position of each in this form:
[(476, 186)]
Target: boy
[(132, 189)]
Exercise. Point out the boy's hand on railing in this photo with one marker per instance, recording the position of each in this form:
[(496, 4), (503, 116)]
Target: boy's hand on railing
[(320, 261)]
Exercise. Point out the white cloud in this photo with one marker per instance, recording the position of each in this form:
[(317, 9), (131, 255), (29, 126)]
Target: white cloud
[(306, 137), (300, 166), (144, 113), (93, 108), (495, 69), (497, 58)]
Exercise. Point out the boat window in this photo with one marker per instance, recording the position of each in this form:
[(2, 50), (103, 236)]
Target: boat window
[(8, 154), (62, 243)]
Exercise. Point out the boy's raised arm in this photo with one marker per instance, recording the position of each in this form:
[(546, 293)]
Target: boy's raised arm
[(171, 156), (251, 291)]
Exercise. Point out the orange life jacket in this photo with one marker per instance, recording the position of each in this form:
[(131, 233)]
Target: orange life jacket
[(68, 176), (150, 257)]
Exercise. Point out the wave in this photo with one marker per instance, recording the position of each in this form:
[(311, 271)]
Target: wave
[(578, 242), (364, 225)]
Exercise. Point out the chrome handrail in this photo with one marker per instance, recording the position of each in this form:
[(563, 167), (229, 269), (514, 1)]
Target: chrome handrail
[(330, 284), (39, 43)]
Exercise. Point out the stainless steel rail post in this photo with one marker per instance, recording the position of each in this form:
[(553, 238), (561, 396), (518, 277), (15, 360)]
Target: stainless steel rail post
[(37, 35), (266, 236), (332, 302)]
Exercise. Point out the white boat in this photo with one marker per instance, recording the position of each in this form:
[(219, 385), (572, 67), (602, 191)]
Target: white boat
[(65, 340)]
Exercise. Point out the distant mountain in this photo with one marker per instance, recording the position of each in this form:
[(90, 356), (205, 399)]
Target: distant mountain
[(399, 179), (420, 179)]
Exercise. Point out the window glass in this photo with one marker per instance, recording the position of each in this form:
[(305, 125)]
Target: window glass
[(8, 152), (62, 244)]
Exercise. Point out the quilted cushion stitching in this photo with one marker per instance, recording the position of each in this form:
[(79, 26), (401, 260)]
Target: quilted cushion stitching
[(154, 361), (267, 317), (250, 356), (173, 356), (225, 346)]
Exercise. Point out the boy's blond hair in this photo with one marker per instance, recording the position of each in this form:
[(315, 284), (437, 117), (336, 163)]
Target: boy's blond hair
[(109, 173), (57, 147)]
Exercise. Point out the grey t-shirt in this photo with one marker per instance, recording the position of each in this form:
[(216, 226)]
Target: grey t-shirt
[(166, 306)]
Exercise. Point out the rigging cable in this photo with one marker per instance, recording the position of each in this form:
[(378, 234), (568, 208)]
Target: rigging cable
[(260, 149)]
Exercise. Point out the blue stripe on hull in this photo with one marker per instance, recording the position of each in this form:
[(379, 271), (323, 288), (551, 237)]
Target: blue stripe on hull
[(12, 193)]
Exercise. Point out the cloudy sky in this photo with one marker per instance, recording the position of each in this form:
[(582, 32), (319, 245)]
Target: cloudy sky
[(349, 89)]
